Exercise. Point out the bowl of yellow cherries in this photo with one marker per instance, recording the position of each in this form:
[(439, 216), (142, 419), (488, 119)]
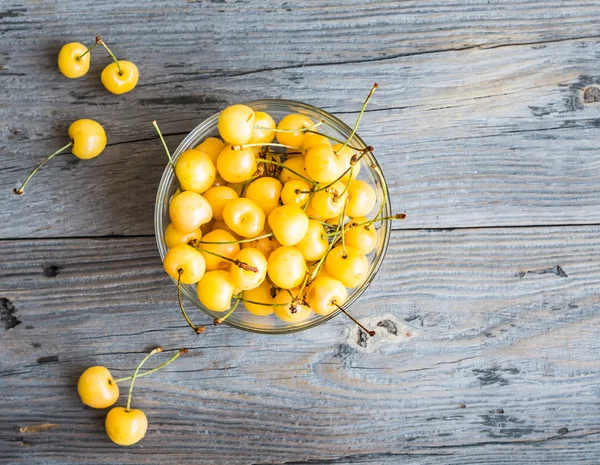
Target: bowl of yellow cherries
[(272, 216)]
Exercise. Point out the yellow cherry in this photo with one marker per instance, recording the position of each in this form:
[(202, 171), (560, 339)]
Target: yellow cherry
[(195, 171), (74, 60), (188, 211), (215, 290), (329, 202), (97, 388), (89, 138), (322, 164), (263, 130), (189, 260), (361, 198), (350, 268), (296, 164), (174, 237), (314, 244), (225, 246), (261, 294), (286, 267), (345, 157), (212, 147), (312, 213), (294, 192), (236, 165), (220, 224), (266, 245), (323, 292), (265, 193), (219, 181), (244, 217), (362, 237), (126, 427), (314, 139), (290, 313), (218, 197), (289, 224), (236, 124), (296, 123), (249, 279), (121, 78)]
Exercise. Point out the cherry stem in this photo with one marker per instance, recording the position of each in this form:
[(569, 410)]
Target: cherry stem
[(348, 170), (135, 373), (218, 321), (360, 115), (307, 129), (197, 329), (21, 189), (162, 139), (245, 183), (397, 216), (159, 367), (240, 264), (101, 42), (264, 304), (87, 51), (339, 141), (260, 144), (241, 241), (370, 332), (276, 163)]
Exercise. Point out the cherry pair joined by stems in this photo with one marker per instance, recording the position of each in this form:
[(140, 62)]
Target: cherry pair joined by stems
[(119, 77), (98, 389)]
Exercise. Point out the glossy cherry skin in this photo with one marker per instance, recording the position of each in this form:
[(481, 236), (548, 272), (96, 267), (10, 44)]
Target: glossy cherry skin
[(89, 138), (120, 82), (97, 388), (125, 427), (71, 61)]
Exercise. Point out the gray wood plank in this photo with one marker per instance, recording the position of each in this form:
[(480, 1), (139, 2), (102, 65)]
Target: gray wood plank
[(496, 358), (472, 128)]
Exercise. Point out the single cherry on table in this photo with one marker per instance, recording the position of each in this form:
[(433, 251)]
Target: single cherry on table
[(88, 140)]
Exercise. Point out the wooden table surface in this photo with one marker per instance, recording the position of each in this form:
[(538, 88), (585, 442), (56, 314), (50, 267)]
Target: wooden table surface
[(487, 125)]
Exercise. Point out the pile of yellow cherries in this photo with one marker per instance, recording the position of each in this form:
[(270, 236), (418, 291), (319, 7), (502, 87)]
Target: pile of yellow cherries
[(284, 233)]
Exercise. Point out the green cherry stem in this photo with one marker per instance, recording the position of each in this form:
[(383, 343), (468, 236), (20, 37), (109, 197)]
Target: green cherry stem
[(276, 163), (370, 332), (101, 42), (339, 141), (360, 115), (21, 189), (159, 367), (162, 139), (197, 329), (241, 241), (135, 373), (218, 321), (87, 51), (307, 129), (260, 144), (236, 262)]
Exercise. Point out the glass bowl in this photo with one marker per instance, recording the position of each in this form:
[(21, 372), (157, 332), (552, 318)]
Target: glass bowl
[(370, 172)]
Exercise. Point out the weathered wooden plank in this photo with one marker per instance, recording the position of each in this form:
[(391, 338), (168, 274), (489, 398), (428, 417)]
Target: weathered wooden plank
[(496, 358), (479, 137)]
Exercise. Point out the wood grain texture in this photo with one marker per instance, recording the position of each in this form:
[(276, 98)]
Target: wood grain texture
[(495, 358), (479, 120)]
